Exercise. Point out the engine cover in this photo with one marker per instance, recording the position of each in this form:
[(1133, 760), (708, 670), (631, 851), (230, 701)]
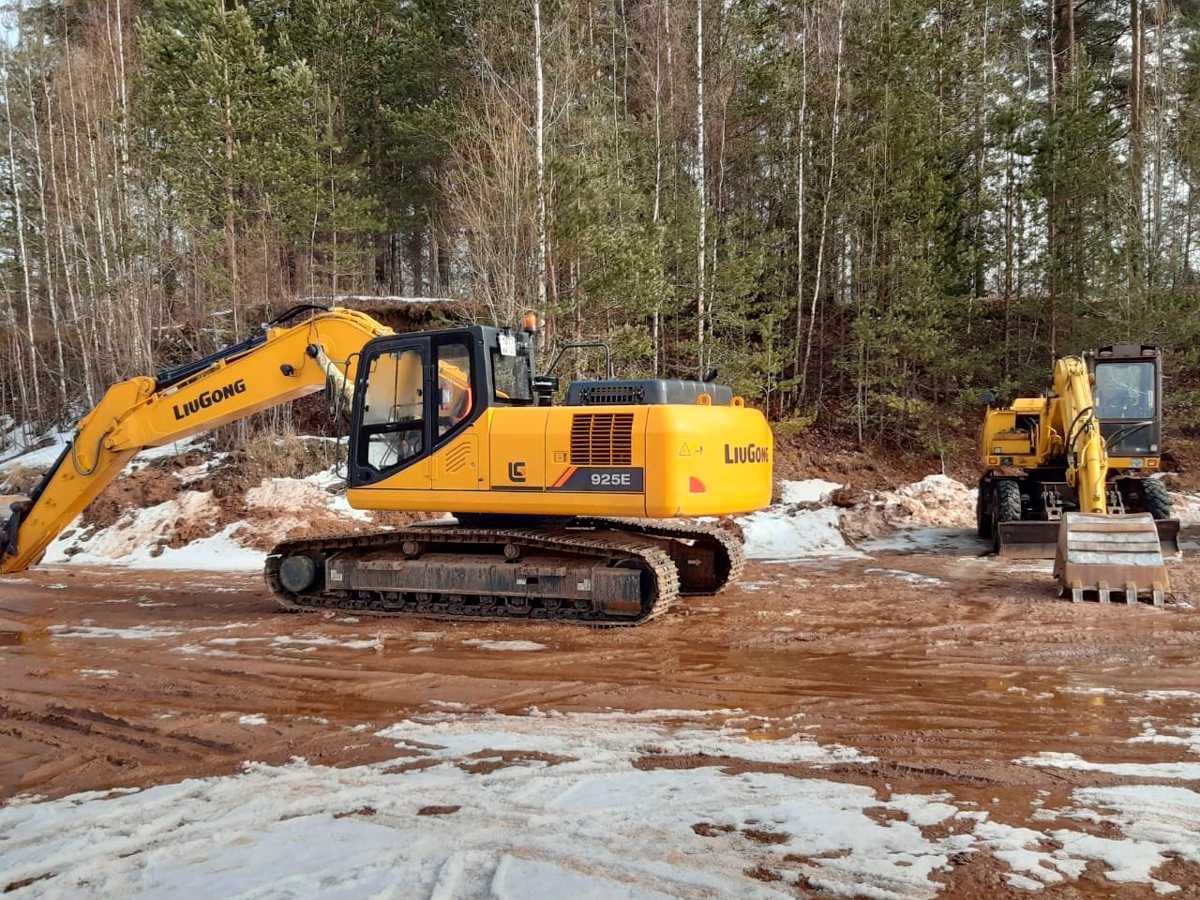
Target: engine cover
[(645, 391)]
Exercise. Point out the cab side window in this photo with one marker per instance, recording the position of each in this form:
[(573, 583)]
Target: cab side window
[(455, 399)]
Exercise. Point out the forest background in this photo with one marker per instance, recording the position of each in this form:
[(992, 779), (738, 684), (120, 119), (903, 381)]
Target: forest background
[(861, 212)]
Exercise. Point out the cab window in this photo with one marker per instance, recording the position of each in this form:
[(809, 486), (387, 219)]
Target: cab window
[(512, 378), (393, 425), (1125, 390), (455, 399)]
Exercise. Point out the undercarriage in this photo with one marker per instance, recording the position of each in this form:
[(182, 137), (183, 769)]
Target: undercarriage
[(593, 571)]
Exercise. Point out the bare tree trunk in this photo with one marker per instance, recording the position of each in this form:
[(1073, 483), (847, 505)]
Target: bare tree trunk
[(64, 212), (48, 270), (1009, 197), (1159, 128), (541, 154), (231, 260), (35, 381), (833, 141), (802, 134), (1137, 59), (82, 240), (658, 160)]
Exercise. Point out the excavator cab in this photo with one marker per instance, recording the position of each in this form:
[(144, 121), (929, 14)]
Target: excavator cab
[(1127, 389), (417, 393)]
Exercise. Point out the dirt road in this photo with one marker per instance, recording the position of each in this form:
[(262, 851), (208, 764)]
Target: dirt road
[(946, 667)]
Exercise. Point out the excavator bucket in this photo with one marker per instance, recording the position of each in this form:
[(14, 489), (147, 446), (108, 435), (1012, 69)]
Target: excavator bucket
[(1031, 539), (1106, 555)]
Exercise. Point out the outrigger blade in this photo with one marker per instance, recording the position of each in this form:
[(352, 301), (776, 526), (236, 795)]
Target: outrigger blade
[(1103, 555)]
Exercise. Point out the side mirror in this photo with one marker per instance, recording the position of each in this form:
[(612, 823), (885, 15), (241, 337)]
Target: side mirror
[(987, 397)]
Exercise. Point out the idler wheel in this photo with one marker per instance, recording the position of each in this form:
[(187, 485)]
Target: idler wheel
[(297, 573)]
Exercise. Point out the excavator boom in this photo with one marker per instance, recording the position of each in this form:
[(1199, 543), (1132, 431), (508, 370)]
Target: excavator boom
[(285, 363)]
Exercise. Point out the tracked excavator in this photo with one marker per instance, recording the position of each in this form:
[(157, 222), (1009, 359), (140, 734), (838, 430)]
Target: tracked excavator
[(1069, 476), (559, 512)]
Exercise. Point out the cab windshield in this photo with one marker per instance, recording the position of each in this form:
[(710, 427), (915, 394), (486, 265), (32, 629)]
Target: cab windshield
[(1125, 390)]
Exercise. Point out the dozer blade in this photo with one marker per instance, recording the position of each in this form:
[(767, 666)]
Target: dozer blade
[(1106, 555), (1039, 540)]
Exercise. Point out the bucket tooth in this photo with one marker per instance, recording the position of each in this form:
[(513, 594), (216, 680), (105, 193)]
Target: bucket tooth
[(1097, 551)]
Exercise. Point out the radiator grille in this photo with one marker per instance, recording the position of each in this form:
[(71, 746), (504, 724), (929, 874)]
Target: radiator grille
[(612, 395), (602, 439)]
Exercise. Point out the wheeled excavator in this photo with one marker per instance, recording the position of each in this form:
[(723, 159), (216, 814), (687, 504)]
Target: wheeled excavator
[(559, 511), (1069, 476)]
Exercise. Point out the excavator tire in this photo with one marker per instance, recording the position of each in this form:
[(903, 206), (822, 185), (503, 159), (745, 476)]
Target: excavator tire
[(1158, 498), (983, 521), (1007, 508), (1008, 501)]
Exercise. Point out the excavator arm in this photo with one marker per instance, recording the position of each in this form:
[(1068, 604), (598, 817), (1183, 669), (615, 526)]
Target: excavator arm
[(1087, 459), (1098, 552), (284, 363)]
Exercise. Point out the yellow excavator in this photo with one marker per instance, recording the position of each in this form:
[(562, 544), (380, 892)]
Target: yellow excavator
[(558, 510), (1069, 476)]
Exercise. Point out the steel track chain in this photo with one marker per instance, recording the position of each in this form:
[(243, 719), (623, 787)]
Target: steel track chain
[(735, 556), (666, 577)]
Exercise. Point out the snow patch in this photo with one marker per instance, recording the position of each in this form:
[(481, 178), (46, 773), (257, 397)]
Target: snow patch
[(776, 534), (1187, 771), (503, 645), (935, 500), (136, 536), (810, 490), (590, 825), (568, 805), (904, 575)]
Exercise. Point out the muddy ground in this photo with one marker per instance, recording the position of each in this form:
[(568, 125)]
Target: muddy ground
[(947, 666)]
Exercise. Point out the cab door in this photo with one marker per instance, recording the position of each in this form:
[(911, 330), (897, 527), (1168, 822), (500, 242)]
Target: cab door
[(456, 400), (391, 429)]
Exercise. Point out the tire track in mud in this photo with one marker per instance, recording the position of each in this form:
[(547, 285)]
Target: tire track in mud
[(936, 664)]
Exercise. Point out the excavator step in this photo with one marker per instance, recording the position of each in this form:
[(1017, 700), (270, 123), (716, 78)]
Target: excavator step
[(1039, 539), (1106, 555)]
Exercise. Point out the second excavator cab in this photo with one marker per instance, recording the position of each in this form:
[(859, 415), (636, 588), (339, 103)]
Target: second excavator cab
[(1127, 388)]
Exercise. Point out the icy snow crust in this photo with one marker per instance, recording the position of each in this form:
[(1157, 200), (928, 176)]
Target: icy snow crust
[(562, 812), (935, 514)]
